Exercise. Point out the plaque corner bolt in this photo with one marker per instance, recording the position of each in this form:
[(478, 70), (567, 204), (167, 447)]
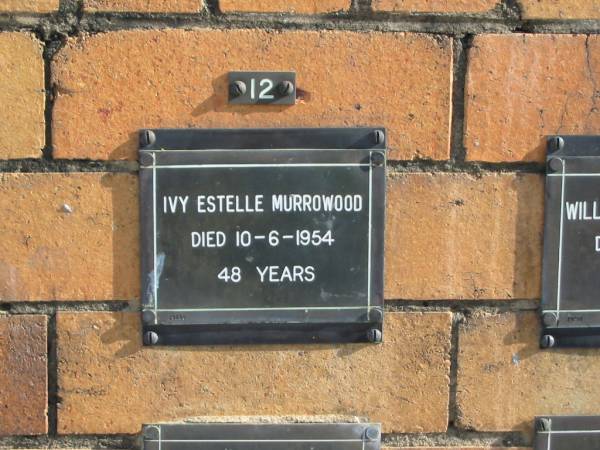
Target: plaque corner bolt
[(148, 316), (543, 424), (549, 319), (237, 88), (285, 88), (146, 159), (377, 159), (150, 338), (379, 137), (374, 335), (150, 432), (557, 142), (547, 341), (147, 138), (371, 434)]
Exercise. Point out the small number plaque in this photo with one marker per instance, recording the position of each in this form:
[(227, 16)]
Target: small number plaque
[(571, 281), (252, 88), (567, 433), (262, 236), (298, 436)]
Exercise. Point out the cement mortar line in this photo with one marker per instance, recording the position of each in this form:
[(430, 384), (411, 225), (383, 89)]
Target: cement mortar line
[(453, 438), (391, 306), (394, 167)]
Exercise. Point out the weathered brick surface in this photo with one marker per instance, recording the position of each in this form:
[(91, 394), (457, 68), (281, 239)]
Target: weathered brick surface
[(34, 6), (109, 383), (149, 6), (504, 379), (435, 6), (286, 6), (110, 85), (23, 375), (461, 236), (560, 9), (69, 236), (22, 129), (521, 88)]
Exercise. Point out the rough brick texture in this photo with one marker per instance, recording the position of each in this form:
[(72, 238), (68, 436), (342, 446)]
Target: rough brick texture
[(69, 236), (22, 126), (435, 6), (34, 6), (504, 379), (109, 383), (110, 85), (285, 6), (23, 375), (521, 88), (148, 6), (460, 236), (560, 9)]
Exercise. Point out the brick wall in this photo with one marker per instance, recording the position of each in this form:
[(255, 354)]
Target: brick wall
[(467, 90)]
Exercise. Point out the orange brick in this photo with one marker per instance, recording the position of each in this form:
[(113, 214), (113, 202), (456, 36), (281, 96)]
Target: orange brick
[(69, 236), (22, 125), (23, 375), (505, 379), (34, 6), (285, 6), (112, 84), (521, 88), (147, 6), (461, 236), (109, 383), (560, 9), (435, 6)]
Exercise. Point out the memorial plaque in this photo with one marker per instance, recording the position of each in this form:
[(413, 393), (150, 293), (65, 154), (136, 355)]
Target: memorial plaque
[(571, 279), (299, 436), (262, 236), (567, 433)]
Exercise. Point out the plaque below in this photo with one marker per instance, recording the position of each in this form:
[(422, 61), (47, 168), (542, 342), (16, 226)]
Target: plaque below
[(570, 300), (567, 433), (262, 236), (300, 436)]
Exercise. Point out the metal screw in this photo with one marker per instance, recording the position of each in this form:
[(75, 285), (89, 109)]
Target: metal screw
[(543, 424), (147, 138), (237, 88), (148, 316), (547, 341), (374, 335), (379, 137), (285, 88), (150, 338), (377, 158), (557, 143), (371, 434), (555, 165), (151, 432), (549, 319)]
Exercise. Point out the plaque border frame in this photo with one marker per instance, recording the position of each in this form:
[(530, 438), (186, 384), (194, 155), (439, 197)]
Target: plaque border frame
[(161, 146), (546, 426)]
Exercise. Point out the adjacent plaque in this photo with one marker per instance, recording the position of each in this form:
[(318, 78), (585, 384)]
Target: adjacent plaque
[(302, 436), (571, 278), (262, 236), (262, 88), (567, 433)]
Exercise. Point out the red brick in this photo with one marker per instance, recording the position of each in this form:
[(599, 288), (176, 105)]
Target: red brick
[(34, 6), (560, 9), (284, 6), (22, 125), (462, 236), (109, 383), (23, 375), (505, 379), (146, 6), (435, 6), (112, 84), (69, 236), (523, 87)]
